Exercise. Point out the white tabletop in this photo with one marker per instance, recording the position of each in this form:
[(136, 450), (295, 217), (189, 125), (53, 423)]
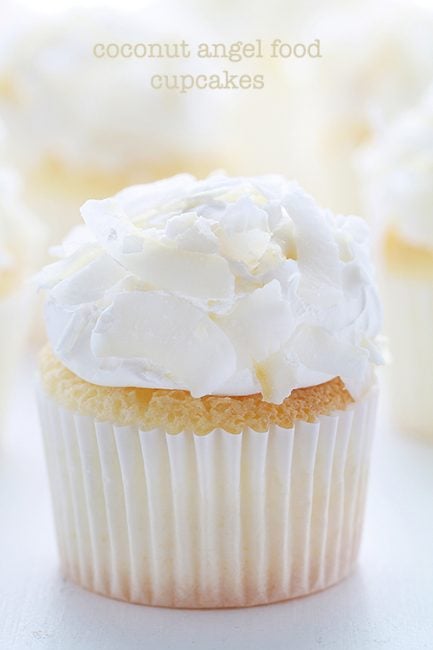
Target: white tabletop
[(387, 603)]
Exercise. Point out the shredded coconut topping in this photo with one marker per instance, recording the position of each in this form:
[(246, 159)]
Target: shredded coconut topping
[(228, 286)]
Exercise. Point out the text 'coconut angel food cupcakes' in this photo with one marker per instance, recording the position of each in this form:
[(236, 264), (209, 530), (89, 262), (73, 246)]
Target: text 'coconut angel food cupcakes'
[(21, 245), (208, 396), (398, 171)]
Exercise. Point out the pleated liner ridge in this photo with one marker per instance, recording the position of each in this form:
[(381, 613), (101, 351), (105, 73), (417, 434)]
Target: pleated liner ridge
[(220, 520)]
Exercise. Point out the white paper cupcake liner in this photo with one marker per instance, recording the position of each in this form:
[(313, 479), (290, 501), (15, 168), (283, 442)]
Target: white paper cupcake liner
[(220, 520), (15, 316), (408, 305)]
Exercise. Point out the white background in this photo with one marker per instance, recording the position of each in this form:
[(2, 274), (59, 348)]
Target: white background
[(386, 603)]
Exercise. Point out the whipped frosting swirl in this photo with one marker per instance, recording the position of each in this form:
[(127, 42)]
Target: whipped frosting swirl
[(227, 286)]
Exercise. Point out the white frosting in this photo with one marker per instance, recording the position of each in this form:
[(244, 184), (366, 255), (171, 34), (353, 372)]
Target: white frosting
[(223, 286), (399, 174), (21, 235), (62, 102)]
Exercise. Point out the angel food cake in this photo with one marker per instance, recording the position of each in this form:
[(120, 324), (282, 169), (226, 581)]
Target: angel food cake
[(208, 393), (21, 245), (398, 171)]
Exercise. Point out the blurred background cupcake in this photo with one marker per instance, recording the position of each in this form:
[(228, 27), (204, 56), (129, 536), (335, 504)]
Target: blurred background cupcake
[(21, 248), (398, 171), (377, 60), (84, 126), (84, 122)]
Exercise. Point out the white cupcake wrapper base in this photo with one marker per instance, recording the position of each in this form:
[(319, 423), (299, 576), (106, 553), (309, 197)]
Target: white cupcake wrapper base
[(220, 520), (408, 306)]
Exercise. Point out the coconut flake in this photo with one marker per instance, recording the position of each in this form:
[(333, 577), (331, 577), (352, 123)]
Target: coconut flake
[(169, 333)]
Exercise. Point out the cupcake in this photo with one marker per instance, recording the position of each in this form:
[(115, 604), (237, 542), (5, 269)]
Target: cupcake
[(377, 60), (21, 244), (208, 394), (398, 171), (85, 121)]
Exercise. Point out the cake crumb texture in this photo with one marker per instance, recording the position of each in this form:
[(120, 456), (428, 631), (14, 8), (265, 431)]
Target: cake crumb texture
[(177, 410)]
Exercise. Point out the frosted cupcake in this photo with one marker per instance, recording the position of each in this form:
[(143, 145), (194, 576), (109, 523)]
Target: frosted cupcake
[(21, 245), (398, 171), (208, 395), (84, 122)]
